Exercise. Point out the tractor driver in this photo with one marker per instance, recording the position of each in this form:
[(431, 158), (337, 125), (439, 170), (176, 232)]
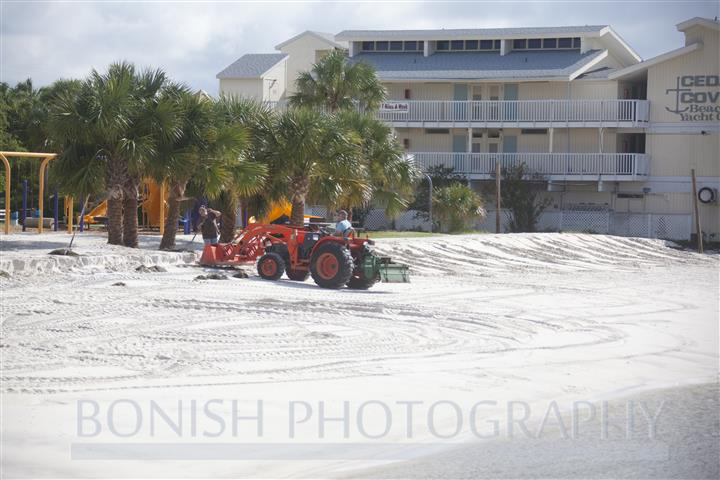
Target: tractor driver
[(343, 227), (208, 225)]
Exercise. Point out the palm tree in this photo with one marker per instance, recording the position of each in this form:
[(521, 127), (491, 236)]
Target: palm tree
[(391, 175), (112, 123), (209, 151), (308, 148), (257, 120), (335, 82)]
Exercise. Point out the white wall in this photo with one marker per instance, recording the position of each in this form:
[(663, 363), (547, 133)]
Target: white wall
[(302, 57), (274, 82), (242, 87)]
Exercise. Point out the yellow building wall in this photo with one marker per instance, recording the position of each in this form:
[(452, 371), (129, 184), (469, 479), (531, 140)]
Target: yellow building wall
[(674, 155), (663, 76), (303, 54)]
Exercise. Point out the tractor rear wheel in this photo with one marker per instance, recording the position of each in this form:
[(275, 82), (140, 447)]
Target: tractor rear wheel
[(331, 265), (271, 266), (297, 275), (357, 282)]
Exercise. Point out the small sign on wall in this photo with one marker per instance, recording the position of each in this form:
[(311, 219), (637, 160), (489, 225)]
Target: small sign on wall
[(399, 107)]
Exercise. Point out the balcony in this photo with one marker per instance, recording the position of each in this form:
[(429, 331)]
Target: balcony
[(553, 166), (515, 113)]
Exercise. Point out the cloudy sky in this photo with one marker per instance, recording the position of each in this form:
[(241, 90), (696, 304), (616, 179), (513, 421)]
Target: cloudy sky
[(193, 41)]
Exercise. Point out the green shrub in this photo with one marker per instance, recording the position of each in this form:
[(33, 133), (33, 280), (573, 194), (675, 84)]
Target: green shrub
[(456, 207)]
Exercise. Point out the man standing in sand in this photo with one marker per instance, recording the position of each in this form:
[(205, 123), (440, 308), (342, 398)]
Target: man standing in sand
[(208, 225)]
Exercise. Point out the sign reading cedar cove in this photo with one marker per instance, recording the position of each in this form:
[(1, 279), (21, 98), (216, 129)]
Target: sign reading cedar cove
[(697, 98)]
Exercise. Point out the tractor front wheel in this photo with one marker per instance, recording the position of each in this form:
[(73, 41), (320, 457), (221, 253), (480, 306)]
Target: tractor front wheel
[(331, 265), (358, 282), (297, 275), (271, 266)]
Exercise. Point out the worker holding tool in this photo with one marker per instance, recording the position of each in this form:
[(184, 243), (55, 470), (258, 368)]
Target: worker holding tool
[(343, 227), (209, 226)]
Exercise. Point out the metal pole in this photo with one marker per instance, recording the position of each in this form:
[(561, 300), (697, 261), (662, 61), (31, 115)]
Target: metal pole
[(23, 214), (497, 195), (55, 210), (186, 227), (698, 230), (81, 223), (162, 207), (430, 190)]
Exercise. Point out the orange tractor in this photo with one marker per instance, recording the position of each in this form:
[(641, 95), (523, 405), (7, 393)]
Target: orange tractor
[(298, 252)]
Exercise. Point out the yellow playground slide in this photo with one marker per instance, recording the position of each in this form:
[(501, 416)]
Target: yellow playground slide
[(278, 210), (150, 205)]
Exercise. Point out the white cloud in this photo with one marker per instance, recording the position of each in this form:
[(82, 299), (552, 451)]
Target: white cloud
[(194, 41)]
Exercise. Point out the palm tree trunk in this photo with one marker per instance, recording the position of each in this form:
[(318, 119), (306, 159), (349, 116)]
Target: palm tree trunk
[(177, 190), (300, 186), (114, 218), (115, 175), (130, 212), (227, 227)]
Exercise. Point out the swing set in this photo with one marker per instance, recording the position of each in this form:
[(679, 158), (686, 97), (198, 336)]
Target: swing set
[(46, 157)]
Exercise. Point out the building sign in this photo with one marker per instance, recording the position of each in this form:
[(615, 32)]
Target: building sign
[(399, 107), (696, 98)]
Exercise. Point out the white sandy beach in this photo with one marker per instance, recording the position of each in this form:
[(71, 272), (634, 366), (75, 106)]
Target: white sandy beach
[(535, 318)]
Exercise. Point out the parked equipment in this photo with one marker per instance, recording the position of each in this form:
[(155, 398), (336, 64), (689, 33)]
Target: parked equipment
[(299, 252)]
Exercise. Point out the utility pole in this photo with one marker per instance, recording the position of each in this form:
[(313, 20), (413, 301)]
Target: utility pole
[(497, 195), (430, 190), (698, 230)]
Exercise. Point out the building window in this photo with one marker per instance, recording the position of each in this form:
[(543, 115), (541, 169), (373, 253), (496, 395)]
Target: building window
[(534, 131), (432, 131), (442, 45), (471, 44), (381, 46), (411, 46), (564, 42), (534, 43), (421, 45), (576, 42), (486, 44), (368, 46), (497, 44), (396, 46), (407, 94), (406, 143), (549, 42), (457, 45), (519, 44)]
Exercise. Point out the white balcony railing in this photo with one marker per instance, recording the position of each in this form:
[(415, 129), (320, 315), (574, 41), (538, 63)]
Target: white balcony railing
[(626, 166), (516, 111)]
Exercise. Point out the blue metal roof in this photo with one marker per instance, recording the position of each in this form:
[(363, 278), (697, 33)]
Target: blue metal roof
[(476, 65), (251, 65), (443, 33)]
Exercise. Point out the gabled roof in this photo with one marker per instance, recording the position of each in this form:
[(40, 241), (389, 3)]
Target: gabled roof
[(328, 38), (705, 22), (443, 34), (560, 65), (638, 67), (252, 65)]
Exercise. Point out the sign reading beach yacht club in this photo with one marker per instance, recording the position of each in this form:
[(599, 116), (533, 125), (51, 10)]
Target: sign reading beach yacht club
[(696, 98)]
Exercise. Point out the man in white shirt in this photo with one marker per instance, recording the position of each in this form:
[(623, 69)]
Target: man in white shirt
[(343, 227)]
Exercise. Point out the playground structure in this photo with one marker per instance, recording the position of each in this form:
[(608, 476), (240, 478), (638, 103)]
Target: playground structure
[(152, 208), (153, 202), (279, 211), (46, 157)]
